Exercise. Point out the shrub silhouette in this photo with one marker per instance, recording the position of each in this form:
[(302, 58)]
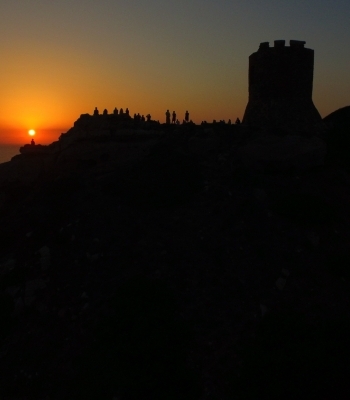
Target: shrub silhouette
[(6, 309), (166, 178), (290, 358), (140, 352), (305, 207), (338, 264)]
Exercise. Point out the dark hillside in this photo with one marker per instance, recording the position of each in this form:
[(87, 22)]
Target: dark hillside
[(187, 271), (338, 136), (339, 117)]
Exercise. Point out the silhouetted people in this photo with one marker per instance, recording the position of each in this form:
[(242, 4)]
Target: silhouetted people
[(229, 122), (138, 117), (174, 117), (167, 117), (127, 112), (121, 112), (143, 119), (148, 116), (32, 142), (238, 121), (96, 112), (115, 112), (105, 112), (187, 116)]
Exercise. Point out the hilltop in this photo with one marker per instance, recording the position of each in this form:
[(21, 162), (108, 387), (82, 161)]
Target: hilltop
[(339, 117)]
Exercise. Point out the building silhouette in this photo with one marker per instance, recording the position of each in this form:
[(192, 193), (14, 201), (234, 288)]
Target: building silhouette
[(280, 87)]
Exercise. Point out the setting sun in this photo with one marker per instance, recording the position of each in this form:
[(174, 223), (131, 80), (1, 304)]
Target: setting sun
[(31, 132)]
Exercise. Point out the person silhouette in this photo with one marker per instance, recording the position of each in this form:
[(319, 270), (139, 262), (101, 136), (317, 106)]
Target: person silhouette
[(105, 112), (148, 116), (32, 143), (121, 112), (174, 117), (115, 112), (187, 116), (167, 115), (96, 111), (143, 118), (127, 112), (238, 121)]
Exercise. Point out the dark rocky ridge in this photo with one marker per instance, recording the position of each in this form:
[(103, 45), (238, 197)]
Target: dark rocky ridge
[(176, 262)]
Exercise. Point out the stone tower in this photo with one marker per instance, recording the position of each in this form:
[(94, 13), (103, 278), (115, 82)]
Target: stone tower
[(280, 87)]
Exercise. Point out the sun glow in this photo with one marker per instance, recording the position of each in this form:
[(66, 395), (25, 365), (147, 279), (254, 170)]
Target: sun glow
[(31, 132)]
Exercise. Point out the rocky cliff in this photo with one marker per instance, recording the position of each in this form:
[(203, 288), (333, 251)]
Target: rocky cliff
[(190, 262)]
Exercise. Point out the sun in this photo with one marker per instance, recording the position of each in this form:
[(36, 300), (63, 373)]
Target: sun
[(31, 132)]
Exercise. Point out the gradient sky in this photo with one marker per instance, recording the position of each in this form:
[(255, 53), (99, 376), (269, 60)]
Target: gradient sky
[(61, 58)]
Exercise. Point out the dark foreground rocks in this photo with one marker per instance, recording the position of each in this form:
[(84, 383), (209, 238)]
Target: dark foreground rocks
[(178, 274)]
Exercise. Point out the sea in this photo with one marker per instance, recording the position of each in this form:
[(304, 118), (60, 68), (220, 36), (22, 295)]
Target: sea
[(7, 151)]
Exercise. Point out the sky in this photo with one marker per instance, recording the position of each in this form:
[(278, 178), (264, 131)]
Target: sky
[(63, 58)]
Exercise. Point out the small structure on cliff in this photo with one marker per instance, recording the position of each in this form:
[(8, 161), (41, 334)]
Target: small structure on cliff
[(280, 87)]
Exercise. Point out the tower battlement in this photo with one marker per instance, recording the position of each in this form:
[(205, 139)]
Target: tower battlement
[(295, 44)]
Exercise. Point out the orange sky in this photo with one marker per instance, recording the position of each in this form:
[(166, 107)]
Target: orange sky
[(62, 59)]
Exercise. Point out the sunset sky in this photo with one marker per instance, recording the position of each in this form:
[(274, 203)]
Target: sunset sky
[(61, 58)]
